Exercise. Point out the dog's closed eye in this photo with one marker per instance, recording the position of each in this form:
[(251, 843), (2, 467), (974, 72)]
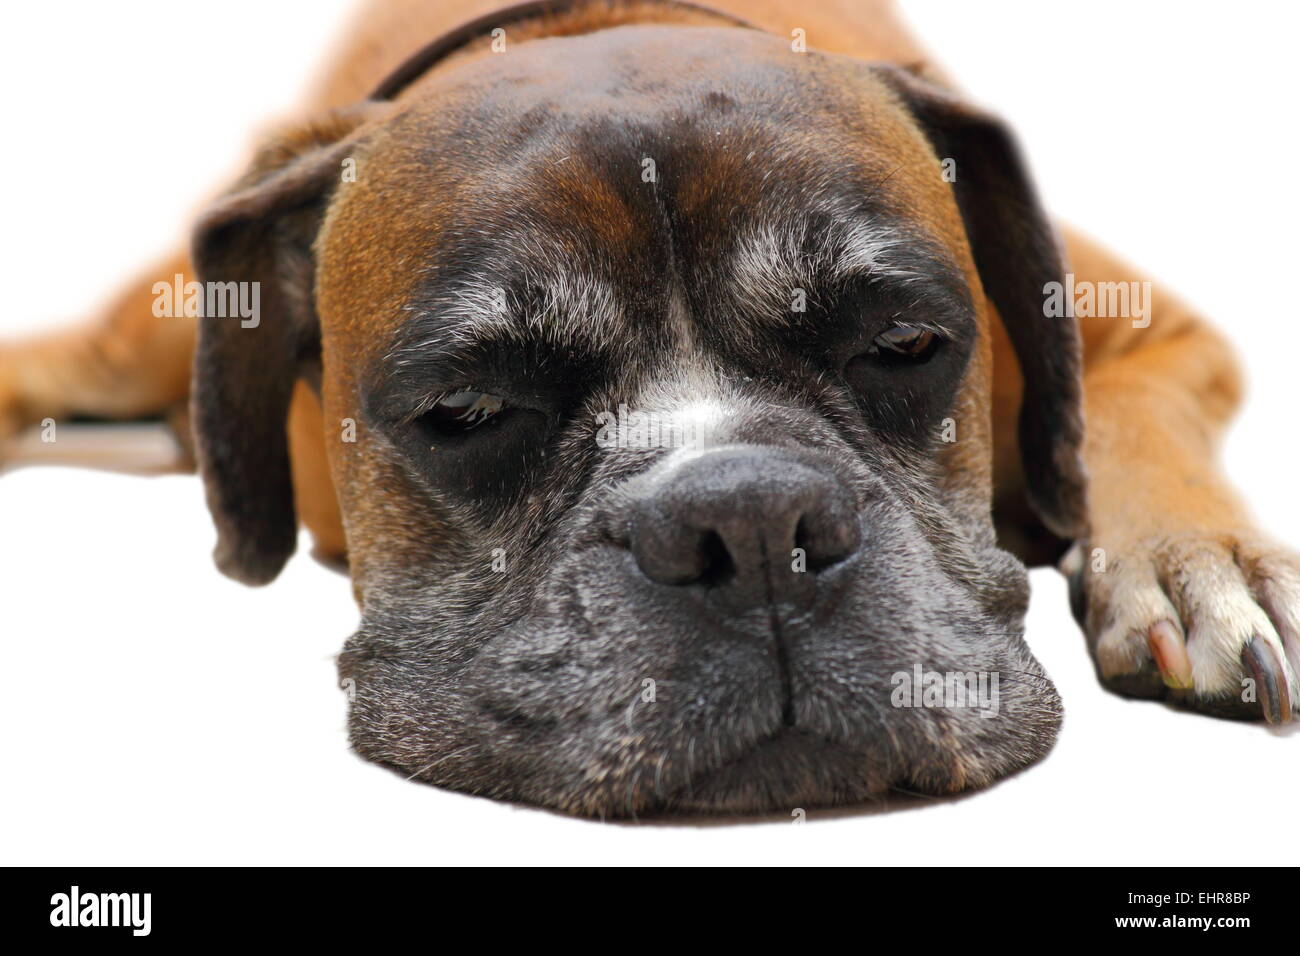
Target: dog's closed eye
[(458, 412), (906, 376), (904, 342)]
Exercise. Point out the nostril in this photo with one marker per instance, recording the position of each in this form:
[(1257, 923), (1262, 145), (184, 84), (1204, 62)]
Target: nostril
[(803, 542), (716, 564), (826, 539), (801, 536)]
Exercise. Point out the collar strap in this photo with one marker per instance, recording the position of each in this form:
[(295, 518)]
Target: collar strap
[(423, 59)]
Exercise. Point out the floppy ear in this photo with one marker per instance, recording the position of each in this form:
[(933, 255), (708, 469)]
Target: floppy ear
[(245, 365), (1016, 253)]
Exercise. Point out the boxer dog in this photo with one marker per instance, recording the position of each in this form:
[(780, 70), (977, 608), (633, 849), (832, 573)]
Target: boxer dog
[(685, 389)]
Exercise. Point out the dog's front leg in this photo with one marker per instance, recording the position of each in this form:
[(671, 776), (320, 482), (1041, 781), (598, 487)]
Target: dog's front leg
[(128, 362), (1179, 592)]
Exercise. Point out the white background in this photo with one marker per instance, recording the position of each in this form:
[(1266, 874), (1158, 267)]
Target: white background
[(154, 712)]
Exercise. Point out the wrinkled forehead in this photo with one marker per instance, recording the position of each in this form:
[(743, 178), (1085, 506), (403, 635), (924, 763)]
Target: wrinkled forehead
[(634, 185)]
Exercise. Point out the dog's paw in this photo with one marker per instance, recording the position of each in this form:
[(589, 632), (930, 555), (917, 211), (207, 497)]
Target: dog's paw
[(1210, 621)]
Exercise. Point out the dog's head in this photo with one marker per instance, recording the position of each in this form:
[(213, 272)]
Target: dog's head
[(655, 367)]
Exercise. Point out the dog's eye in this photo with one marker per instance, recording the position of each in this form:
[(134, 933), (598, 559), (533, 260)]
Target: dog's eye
[(907, 342), (458, 412)]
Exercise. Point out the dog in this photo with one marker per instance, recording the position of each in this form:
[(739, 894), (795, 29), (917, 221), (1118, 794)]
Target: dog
[(681, 387)]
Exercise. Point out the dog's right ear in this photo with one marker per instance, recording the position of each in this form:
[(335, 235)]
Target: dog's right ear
[(1017, 256), (260, 235)]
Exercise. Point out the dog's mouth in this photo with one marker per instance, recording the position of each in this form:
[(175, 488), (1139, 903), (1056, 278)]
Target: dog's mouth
[(790, 771), (734, 755)]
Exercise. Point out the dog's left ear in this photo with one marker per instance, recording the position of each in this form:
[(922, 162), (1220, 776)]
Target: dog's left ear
[(260, 235), (1016, 253)]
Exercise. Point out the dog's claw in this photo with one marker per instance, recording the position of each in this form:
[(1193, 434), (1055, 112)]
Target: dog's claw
[(1170, 653), (1261, 660)]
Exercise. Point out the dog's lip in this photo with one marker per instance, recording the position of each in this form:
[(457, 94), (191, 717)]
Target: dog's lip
[(791, 768)]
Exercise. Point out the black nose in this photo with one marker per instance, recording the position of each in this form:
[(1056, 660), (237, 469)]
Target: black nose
[(747, 517)]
